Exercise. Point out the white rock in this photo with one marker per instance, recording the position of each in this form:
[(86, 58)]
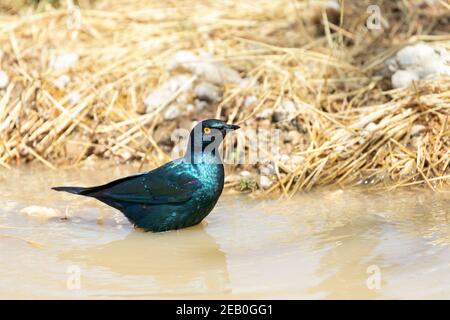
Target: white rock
[(62, 81), (416, 129), (4, 79), (166, 91), (265, 114), (408, 168), (299, 75), (190, 107), (433, 68), (286, 109), (249, 100), (205, 66), (265, 182), (183, 98), (444, 54), (403, 78), (245, 174), (332, 4), (200, 104), (231, 178), (74, 97), (247, 82), (215, 71), (288, 106), (207, 91), (291, 162), (172, 112), (415, 54), (284, 158), (64, 60), (340, 148), (125, 155), (417, 62), (42, 212), (183, 59), (267, 170), (392, 64)]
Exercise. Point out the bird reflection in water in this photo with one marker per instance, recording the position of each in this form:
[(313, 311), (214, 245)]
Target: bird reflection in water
[(188, 259)]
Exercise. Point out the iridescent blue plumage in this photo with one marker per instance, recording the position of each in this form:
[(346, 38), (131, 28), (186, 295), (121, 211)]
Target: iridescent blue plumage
[(179, 194)]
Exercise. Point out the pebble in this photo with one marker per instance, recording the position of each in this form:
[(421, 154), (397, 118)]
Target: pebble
[(230, 178), (284, 110), (207, 91), (190, 107), (200, 104), (265, 182), (265, 114), (64, 61), (416, 62), (284, 158), (299, 75), (182, 59), (74, 97), (205, 66), (415, 54), (408, 168), (416, 129), (250, 100), (62, 81), (165, 92), (403, 78), (267, 170), (340, 148), (4, 79), (245, 174), (172, 112)]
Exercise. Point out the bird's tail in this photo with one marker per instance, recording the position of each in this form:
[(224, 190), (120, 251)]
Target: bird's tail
[(74, 190)]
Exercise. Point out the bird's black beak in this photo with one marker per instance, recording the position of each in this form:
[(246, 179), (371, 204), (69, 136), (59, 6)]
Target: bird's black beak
[(231, 127)]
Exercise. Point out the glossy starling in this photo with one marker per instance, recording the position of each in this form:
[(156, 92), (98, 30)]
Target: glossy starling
[(179, 194)]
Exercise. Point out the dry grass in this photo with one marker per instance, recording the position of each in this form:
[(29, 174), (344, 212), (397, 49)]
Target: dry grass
[(350, 128)]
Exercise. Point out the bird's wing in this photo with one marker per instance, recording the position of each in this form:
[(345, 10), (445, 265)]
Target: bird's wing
[(171, 183)]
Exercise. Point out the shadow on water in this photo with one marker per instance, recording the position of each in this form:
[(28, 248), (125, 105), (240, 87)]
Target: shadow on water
[(183, 259)]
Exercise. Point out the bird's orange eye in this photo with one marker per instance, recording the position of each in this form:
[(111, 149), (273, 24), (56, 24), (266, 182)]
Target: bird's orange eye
[(207, 130)]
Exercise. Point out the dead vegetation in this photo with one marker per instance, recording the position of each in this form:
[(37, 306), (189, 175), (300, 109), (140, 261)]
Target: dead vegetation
[(77, 83)]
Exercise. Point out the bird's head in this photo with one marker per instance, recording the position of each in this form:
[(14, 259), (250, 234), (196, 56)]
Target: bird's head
[(206, 137)]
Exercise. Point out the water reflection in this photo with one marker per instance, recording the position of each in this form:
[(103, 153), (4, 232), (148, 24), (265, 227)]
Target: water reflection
[(185, 259), (318, 245)]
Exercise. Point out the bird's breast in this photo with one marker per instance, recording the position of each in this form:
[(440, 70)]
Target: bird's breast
[(212, 179)]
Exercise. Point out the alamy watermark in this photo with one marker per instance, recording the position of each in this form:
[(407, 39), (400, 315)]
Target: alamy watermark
[(373, 282), (375, 21), (74, 277), (245, 146)]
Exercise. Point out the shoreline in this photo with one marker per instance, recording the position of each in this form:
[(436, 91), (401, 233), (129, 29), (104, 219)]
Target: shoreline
[(119, 82)]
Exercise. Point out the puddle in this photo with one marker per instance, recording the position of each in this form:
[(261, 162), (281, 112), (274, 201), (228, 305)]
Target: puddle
[(324, 244)]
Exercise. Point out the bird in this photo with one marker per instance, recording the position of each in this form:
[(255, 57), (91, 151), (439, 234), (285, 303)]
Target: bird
[(176, 195)]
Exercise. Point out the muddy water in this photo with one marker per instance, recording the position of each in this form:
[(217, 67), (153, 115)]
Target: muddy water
[(325, 244)]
